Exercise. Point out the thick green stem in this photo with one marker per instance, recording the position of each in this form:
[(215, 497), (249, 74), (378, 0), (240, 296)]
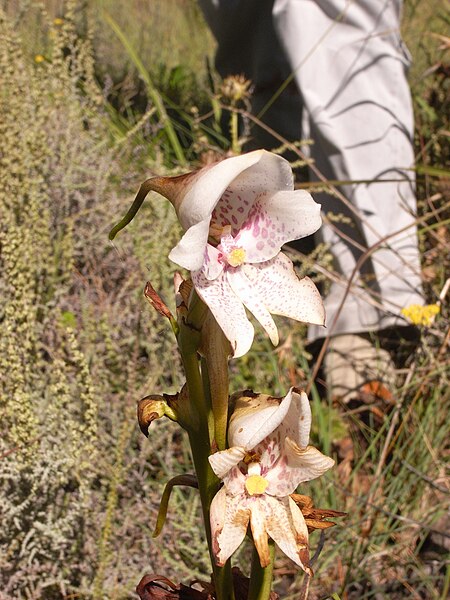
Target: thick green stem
[(261, 577), (199, 437)]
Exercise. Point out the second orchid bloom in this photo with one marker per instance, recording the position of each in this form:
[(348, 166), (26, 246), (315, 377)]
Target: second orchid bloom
[(268, 457)]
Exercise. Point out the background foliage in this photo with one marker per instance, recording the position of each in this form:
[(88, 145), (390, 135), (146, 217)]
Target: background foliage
[(86, 115)]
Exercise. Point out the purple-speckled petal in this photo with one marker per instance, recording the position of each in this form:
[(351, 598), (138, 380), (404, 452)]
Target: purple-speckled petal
[(295, 466), (297, 423), (233, 208), (276, 219), (234, 481), (253, 301), (276, 282), (269, 175), (212, 266), (286, 526), (227, 309), (229, 520)]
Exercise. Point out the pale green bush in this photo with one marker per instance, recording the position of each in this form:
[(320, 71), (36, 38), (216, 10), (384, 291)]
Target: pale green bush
[(72, 334)]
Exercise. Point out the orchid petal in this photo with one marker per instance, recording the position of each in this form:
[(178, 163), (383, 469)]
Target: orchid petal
[(208, 185), (295, 466), (247, 175), (234, 481), (227, 310), (212, 267), (255, 425), (222, 462), (270, 451), (269, 176), (190, 250), (309, 461), (283, 292), (303, 419), (282, 528), (283, 480), (229, 522), (297, 423), (272, 422), (244, 291), (232, 209), (258, 519), (252, 172), (276, 219)]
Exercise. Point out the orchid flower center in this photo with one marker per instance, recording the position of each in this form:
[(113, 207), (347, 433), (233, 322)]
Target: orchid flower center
[(230, 252), (255, 484), (236, 257)]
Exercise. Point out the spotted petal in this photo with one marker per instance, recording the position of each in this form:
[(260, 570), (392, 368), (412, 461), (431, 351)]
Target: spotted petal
[(297, 423), (227, 309), (207, 185), (283, 292), (248, 427), (229, 520), (276, 219), (295, 466), (287, 527), (309, 461), (255, 303), (244, 177), (259, 516)]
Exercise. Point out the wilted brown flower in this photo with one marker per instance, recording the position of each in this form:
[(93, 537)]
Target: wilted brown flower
[(314, 517)]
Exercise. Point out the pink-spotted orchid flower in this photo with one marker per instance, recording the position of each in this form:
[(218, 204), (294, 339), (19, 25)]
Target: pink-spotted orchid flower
[(269, 456), (237, 214)]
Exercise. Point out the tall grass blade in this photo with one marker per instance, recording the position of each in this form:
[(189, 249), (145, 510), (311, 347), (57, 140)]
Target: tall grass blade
[(152, 91)]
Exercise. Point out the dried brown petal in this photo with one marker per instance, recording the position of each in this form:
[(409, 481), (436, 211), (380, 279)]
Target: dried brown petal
[(154, 299), (149, 409), (314, 516), (313, 524), (158, 587)]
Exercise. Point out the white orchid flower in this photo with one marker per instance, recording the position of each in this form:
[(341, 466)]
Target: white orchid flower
[(269, 456), (237, 214)]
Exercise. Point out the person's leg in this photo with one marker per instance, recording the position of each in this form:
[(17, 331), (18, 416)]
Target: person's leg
[(350, 67)]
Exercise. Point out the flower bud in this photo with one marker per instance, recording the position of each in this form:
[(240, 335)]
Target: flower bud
[(150, 409)]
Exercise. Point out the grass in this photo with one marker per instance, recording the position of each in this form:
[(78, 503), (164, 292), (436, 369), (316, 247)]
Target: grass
[(79, 484)]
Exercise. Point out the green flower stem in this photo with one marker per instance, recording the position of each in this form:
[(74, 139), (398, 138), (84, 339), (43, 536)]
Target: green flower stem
[(199, 438), (207, 392), (234, 132), (261, 577)]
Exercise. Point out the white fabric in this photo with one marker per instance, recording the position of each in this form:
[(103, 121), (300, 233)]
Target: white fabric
[(349, 65)]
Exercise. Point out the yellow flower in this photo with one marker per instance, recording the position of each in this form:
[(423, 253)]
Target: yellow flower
[(58, 21), (39, 58), (421, 315)]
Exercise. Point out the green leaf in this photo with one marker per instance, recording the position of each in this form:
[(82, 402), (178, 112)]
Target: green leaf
[(68, 319), (188, 480)]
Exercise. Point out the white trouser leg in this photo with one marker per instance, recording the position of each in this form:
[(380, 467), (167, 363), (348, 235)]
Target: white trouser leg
[(350, 67)]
